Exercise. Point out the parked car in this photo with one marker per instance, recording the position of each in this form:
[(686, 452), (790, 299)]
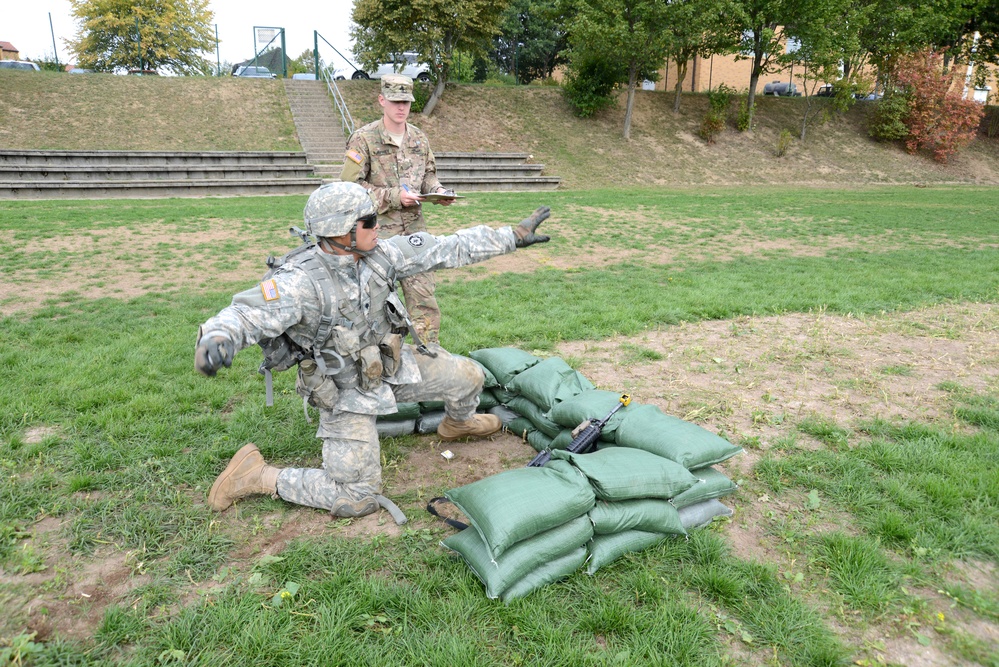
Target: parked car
[(303, 76), (254, 72), (405, 63), (781, 89), (19, 64), (825, 90)]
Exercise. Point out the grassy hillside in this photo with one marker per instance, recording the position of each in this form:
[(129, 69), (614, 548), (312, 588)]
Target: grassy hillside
[(44, 110), (103, 111)]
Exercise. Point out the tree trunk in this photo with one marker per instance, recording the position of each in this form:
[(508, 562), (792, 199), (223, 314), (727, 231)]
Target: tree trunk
[(428, 108), (754, 79), (681, 71), (632, 77)]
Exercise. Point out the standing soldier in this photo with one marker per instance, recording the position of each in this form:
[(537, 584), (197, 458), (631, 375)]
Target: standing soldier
[(335, 302), (393, 161)]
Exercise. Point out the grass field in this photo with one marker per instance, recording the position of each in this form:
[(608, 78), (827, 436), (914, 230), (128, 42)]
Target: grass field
[(847, 339)]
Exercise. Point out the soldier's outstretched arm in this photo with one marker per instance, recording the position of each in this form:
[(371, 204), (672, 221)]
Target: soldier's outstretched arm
[(421, 252)]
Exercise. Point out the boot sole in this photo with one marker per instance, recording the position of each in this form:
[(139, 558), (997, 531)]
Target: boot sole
[(234, 463)]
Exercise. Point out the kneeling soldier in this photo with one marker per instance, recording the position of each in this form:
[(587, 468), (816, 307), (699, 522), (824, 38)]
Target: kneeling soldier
[(355, 365)]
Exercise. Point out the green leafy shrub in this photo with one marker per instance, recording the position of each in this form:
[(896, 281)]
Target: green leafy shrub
[(886, 120), (714, 120), (784, 141), (590, 85), (992, 123), (744, 117), (421, 94)]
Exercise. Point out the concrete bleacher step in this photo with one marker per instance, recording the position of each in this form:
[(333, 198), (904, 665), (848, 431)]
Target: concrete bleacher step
[(116, 174), (468, 171), (156, 188), (111, 158)]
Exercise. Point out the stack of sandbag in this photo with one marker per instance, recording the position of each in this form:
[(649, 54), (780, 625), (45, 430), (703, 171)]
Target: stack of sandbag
[(652, 476), (633, 489), (530, 387), (528, 527)]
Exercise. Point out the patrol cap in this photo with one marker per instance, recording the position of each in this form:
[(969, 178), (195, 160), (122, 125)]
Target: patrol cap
[(397, 88)]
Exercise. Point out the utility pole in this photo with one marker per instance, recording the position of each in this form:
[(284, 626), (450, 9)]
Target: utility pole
[(55, 53)]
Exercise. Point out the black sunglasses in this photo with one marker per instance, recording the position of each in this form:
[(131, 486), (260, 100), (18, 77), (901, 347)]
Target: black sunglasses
[(369, 221)]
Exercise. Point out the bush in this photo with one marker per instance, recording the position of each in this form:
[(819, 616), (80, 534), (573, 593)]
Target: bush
[(939, 119), (421, 95), (590, 84), (742, 120), (784, 141), (992, 123), (886, 121), (714, 119)]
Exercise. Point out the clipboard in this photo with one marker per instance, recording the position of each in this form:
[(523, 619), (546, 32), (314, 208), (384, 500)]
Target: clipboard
[(434, 197)]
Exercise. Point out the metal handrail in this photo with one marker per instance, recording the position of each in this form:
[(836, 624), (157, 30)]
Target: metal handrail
[(328, 74)]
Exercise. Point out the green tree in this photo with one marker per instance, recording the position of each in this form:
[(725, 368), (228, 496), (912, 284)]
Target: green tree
[(628, 33), (826, 34), (763, 40), (699, 28), (531, 40), (172, 35), (436, 29)]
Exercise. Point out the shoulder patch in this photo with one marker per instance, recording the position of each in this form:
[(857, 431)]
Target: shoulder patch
[(354, 156), (415, 241), (269, 289)]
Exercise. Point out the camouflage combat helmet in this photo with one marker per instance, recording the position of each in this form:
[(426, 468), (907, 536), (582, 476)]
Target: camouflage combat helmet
[(334, 208)]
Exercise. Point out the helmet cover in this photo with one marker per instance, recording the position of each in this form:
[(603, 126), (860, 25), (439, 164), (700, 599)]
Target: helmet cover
[(334, 208)]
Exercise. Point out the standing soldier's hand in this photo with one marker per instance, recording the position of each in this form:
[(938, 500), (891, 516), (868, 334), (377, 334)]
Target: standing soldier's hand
[(525, 231), (212, 353)]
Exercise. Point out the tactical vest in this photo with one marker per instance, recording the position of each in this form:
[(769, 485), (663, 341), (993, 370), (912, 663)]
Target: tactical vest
[(348, 348)]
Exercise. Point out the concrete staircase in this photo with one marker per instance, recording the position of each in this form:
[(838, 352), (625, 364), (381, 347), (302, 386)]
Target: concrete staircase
[(466, 172), (318, 125), (33, 174)]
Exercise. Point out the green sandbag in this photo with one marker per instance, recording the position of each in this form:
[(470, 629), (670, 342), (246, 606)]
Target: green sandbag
[(504, 362), (620, 473), (522, 558), (490, 381), (538, 440), (594, 404), (545, 574), (710, 484), (702, 513), (523, 407), (487, 400), (517, 504), (648, 514), (502, 395), (404, 411), (520, 427), (605, 549), (646, 427), (549, 382), (562, 440)]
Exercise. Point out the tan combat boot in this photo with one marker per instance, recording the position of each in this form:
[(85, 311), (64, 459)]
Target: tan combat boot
[(247, 474), (479, 426), (349, 509)]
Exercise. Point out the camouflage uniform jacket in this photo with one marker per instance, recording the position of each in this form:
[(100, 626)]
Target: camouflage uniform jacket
[(288, 302), (376, 162)]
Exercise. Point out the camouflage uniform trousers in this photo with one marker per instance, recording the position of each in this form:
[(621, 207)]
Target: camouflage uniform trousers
[(351, 455), (418, 290)]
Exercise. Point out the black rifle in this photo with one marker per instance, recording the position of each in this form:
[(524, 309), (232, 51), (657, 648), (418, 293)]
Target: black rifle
[(584, 440)]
